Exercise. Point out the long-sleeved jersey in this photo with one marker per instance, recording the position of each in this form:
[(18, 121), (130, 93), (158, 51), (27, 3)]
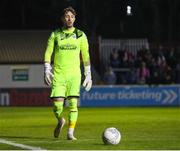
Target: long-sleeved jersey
[(66, 46)]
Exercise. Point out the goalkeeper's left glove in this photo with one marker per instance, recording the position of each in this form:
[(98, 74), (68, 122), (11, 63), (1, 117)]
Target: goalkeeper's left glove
[(87, 82)]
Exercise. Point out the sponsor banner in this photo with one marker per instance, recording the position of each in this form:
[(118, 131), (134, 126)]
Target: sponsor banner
[(131, 96), (25, 97), (97, 96), (20, 73)]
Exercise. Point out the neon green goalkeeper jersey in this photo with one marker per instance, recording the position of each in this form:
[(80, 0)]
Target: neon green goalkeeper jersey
[(66, 46)]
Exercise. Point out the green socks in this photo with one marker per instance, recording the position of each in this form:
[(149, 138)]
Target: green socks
[(73, 111), (58, 108), (73, 115)]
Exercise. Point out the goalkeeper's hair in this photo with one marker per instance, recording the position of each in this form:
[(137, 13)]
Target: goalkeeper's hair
[(68, 9)]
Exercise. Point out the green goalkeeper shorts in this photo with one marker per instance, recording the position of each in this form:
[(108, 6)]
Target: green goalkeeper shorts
[(66, 83)]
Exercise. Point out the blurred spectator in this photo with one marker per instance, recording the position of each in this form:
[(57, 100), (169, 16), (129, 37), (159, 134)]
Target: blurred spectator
[(109, 76), (128, 58), (141, 53), (154, 72), (121, 55), (114, 59), (150, 66), (159, 56), (143, 74), (138, 61), (167, 74), (148, 57), (171, 57), (131, 76), (177, 80)]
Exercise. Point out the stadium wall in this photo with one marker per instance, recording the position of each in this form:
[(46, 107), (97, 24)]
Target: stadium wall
[(23, 85), (20, 76)]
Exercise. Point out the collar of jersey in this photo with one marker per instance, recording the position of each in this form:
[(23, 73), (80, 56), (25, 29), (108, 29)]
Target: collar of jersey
[(68, 30)]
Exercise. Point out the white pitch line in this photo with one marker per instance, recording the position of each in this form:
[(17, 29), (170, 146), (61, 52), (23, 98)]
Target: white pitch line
[(3, 141)]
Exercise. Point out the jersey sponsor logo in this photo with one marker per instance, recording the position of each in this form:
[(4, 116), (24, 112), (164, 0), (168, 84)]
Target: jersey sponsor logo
[(68, 47)]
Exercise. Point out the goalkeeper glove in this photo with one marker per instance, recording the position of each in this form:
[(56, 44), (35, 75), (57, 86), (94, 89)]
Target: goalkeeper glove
[(87, 82), (48, 75)]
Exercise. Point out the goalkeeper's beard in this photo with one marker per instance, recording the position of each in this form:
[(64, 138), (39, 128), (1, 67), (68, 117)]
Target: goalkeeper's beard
[(68, 25)]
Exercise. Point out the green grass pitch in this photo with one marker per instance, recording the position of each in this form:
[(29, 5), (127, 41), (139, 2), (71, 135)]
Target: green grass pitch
[(141, 128)]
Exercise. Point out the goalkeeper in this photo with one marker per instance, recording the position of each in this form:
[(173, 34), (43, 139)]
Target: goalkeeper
[(67, 43)]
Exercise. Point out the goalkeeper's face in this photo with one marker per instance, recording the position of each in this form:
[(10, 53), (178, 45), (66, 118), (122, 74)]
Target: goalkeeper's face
[(68, 19)]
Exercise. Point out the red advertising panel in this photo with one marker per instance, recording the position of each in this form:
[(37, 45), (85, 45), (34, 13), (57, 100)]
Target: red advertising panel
[(25, 97)]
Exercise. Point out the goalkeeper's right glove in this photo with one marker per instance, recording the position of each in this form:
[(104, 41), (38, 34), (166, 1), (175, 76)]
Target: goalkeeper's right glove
[(48, 75)]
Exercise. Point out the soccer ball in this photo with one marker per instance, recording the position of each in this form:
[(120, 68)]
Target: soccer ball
[(111, 136)]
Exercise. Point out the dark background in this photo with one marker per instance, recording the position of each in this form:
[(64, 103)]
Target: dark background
[(157, 20)]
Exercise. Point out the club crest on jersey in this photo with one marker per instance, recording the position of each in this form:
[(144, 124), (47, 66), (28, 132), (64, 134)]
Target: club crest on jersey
[(63, 36), (74, 36)]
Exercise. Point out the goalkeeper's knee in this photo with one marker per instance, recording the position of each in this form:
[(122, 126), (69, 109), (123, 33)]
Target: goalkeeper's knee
[(73, 105), (58, 108)]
